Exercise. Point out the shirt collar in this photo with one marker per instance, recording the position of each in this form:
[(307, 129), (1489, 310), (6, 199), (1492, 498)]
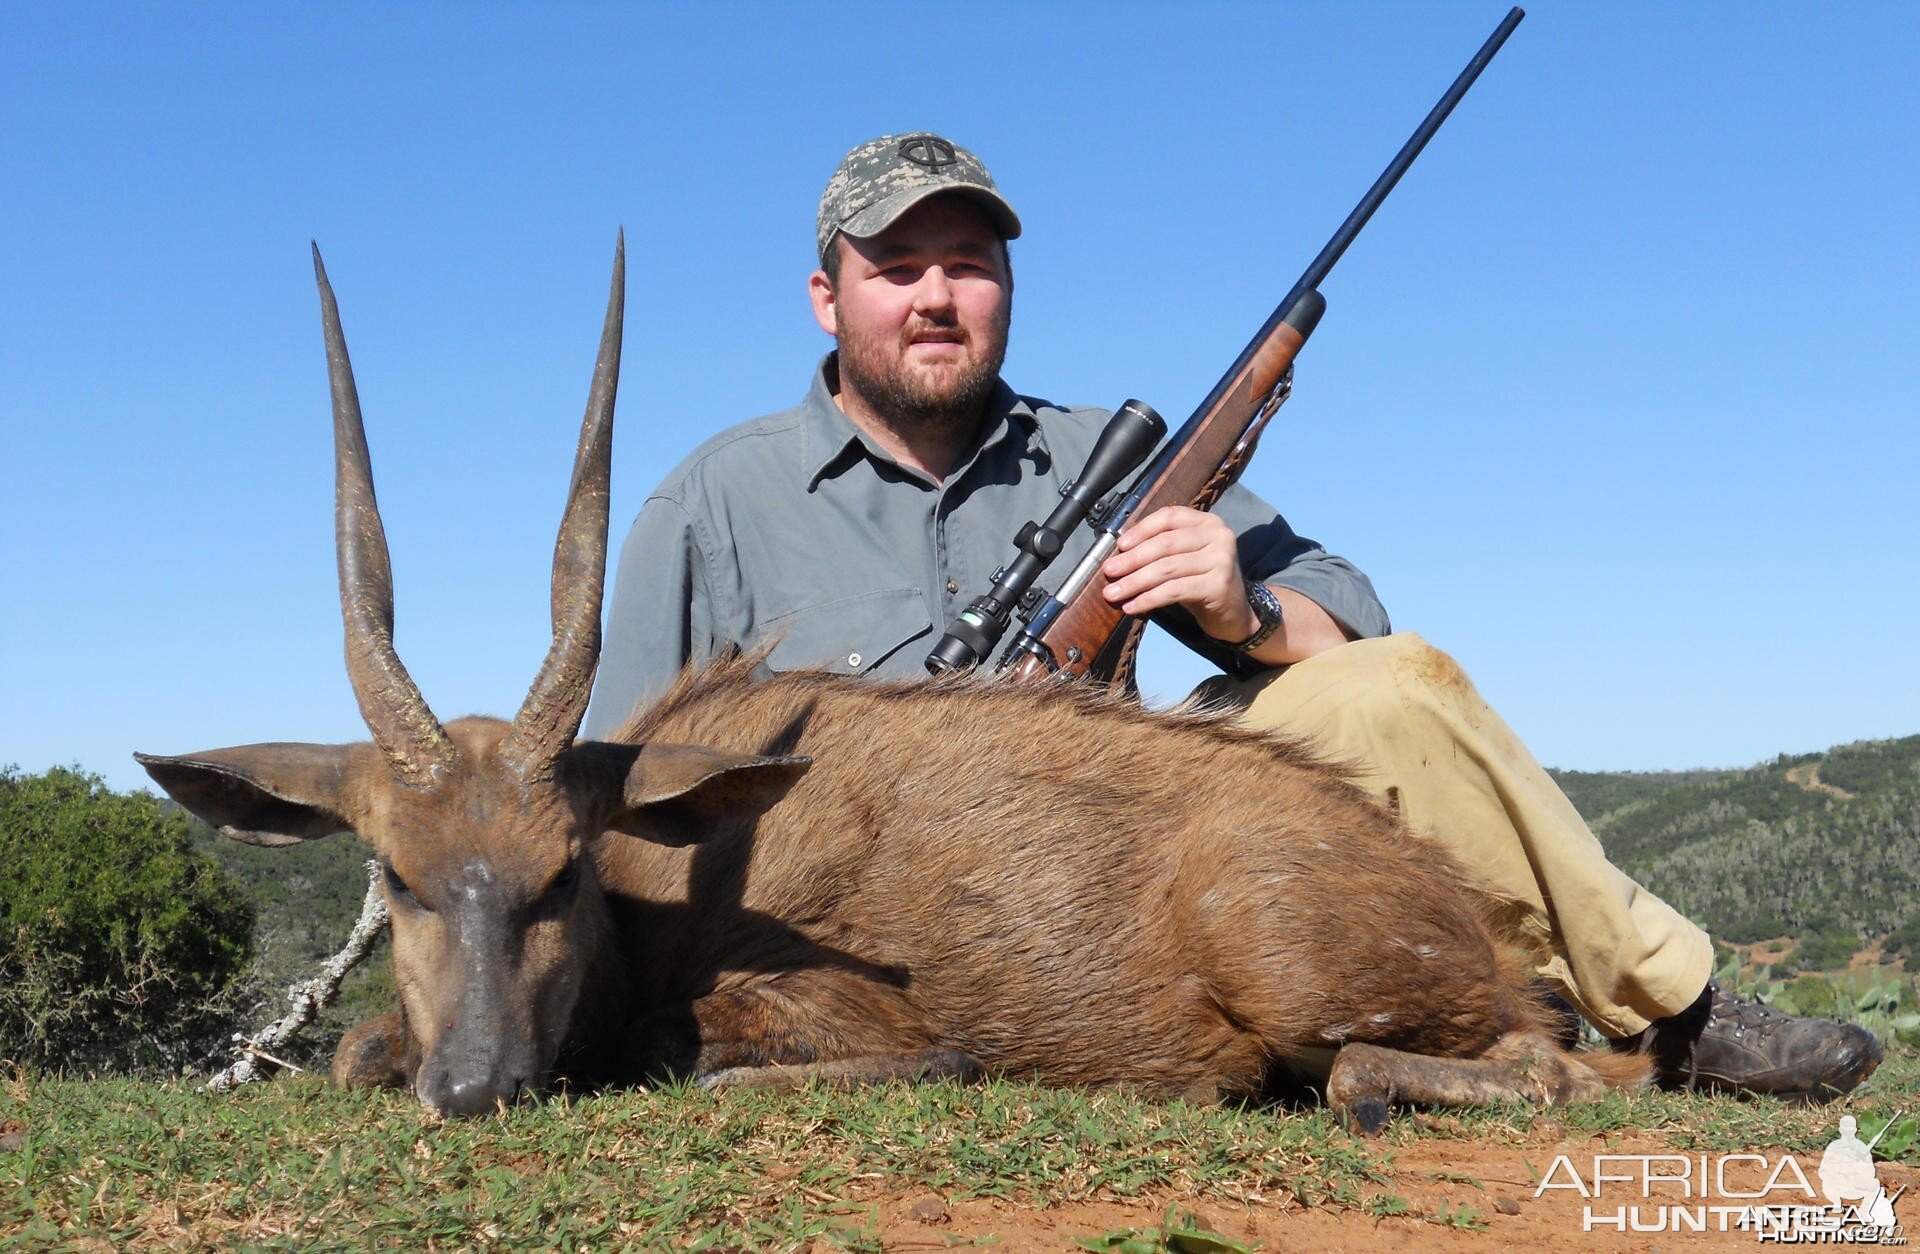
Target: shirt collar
[(830, 442)]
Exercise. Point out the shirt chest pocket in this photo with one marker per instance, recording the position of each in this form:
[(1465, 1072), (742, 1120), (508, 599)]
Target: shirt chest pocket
[(851, 636)]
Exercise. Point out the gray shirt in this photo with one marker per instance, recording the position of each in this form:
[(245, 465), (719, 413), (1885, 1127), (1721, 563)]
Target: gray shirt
[(796, 529)]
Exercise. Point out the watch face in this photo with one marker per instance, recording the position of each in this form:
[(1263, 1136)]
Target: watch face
[(1266, 608)]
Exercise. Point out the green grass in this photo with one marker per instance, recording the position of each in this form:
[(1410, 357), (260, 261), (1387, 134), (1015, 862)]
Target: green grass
[(295, 1163), (1180, 1232)]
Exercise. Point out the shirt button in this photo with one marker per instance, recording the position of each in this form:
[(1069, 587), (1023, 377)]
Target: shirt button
[(853, 659), (952, 587)]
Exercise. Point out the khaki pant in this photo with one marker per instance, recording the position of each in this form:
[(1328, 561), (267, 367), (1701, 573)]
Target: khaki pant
[(1406, 715)]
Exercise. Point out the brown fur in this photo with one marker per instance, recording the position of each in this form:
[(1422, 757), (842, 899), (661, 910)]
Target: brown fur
[(1030, 879), (816, 878), (1062, 885)]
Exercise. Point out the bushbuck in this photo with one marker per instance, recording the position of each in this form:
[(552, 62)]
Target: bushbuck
[(770, 880)]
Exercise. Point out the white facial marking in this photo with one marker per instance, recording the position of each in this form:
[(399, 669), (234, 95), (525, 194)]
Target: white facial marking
[(473, 877)]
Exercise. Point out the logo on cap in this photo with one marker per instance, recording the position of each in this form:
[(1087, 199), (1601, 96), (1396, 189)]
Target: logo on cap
[(929, 151)]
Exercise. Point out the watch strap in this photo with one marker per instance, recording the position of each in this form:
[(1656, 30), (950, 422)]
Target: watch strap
[(1266, 607)]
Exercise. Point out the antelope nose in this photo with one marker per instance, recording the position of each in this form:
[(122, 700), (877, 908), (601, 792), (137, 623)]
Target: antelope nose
[(474, 1095)]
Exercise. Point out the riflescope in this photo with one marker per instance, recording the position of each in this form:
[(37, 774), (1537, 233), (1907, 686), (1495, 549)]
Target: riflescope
[(971, 637)]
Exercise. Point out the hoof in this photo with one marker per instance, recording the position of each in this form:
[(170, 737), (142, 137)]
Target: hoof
[(372, 1055), (951, 1064), (1367, 1117), (732, 1078)]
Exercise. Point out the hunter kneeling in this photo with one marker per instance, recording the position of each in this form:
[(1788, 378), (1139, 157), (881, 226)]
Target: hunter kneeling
[(842, 532)]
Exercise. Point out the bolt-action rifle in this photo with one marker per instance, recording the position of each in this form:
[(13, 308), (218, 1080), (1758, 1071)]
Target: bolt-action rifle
[(1076, 631)]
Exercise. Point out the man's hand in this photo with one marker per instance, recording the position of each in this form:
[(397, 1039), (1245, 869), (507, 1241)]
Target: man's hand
[(1182, 556)]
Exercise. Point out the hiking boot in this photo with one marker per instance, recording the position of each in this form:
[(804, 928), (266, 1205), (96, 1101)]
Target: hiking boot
[(1729, 1044), (1558, 1015)]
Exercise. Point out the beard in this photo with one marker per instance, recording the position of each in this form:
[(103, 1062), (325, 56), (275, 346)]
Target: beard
[(936, 398)]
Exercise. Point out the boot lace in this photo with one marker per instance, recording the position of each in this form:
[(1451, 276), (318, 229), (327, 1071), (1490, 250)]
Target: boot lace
[(1744, 1013)]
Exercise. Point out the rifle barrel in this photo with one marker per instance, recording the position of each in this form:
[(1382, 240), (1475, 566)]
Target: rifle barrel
[(1317, 270)]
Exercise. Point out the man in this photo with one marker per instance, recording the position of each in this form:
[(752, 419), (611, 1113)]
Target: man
[(847, 531)]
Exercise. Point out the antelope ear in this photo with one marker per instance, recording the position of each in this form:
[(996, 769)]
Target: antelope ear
[(277, 794), (683, 794)]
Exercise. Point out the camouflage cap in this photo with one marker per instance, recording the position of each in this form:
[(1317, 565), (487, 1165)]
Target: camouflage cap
[(883, 178)]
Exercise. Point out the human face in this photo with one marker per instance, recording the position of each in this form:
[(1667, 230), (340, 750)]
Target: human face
[(920, 312)]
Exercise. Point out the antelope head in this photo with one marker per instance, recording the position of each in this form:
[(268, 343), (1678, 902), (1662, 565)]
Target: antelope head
[(484, 829)]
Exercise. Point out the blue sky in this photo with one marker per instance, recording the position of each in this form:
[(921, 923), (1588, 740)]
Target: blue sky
[(1613, 400)]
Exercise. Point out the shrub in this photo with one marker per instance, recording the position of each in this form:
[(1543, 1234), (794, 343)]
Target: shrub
[(120, 946), (1825, 948), (1904, 941)]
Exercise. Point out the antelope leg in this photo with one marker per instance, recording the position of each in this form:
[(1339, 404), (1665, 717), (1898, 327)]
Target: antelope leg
[(919, 1067), (373, 1055), (1368, 1079), (805, 1015)]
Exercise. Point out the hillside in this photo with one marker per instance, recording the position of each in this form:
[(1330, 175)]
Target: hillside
[(1822, 846)]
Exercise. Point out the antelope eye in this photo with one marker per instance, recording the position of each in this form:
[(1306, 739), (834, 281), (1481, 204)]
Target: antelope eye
[(557, 895), (396, 885)]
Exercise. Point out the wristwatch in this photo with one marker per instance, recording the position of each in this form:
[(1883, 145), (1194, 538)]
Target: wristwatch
[(1266, 606)]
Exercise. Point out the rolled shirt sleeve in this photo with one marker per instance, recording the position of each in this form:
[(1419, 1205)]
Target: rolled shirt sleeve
[(1274, 553), (794, 532)]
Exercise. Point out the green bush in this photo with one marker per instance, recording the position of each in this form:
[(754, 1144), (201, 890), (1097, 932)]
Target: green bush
[(306, 898), (1904, 941), (120, 946), (1823, 948)]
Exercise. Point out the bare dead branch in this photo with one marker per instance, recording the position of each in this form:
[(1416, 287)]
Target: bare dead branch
[(308, 998)]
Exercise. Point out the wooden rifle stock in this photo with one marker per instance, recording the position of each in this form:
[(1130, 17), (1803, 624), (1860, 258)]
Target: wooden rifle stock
[(1091, 636), (1088, 635)]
